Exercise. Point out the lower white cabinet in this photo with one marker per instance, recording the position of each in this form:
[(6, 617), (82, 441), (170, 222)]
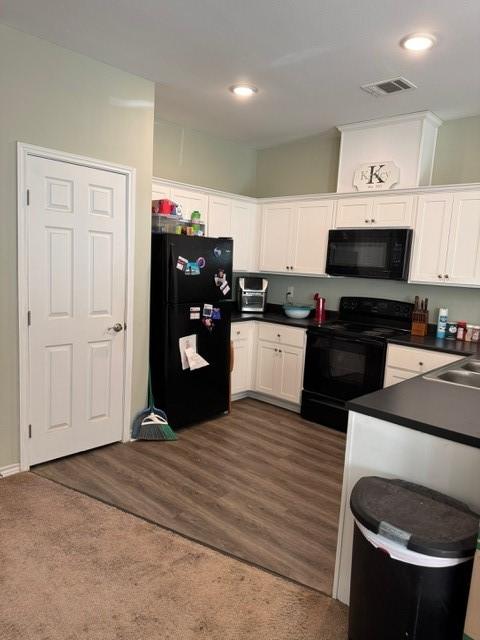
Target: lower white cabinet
[(280, 358), (407, 362), (268, 359), (242, 336)]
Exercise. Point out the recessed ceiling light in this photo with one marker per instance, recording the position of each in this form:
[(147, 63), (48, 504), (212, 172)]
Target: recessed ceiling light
[(418, 42), (243, 90)]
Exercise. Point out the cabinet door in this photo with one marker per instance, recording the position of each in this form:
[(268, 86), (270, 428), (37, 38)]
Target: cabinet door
[(245, 235), (290, 374), (431, 238), (394, 376), (242, 336), (191, 201), (219, 217), (392, 211), (275, 253), (313, 221), (160, 191), (268, 356), (354, 212), (241, 380), (463, 257)]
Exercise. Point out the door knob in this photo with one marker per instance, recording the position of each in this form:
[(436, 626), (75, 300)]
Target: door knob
[(117, 327)]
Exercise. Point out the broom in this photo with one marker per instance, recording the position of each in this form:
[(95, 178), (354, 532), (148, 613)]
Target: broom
[(152, 423)]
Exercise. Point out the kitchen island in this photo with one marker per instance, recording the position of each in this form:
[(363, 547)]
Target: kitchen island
[(420, 430)]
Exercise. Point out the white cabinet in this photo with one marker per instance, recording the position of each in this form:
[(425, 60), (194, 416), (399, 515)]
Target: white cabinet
[(242, 336), (277, 227), (280, 358), (245, 233), (160, 191), (191, 200), (374, 211), (407, 362), (447, 239), (431, 237), (294, 237), (463, 257), (236, 219)]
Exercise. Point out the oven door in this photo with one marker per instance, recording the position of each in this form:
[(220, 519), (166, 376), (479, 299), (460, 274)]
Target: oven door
[(343, 368), (369, 253)]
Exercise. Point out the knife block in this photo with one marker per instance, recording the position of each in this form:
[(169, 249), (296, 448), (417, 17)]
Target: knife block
[(419, 323)]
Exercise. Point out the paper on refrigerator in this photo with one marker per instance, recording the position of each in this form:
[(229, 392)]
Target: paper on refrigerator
[(188, 353), (187, 342), (195, 360)]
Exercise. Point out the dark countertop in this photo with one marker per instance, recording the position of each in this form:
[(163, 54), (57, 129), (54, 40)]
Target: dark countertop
[(275, 314), (277, 317), (440, 409)]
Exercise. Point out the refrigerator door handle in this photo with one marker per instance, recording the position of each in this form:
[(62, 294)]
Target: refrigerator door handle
[(173, 275)]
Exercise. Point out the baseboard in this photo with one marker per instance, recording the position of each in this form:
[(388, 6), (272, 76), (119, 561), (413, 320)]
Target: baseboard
[(262, 397), (9, 470)]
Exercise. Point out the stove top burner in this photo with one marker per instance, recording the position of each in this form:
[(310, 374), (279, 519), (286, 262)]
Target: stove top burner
[(361, 329)]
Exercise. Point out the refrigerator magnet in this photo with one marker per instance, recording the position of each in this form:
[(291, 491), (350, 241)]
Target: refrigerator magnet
[(225, 289), (192, 269), (201, 262), (207, 310), (194, 313), (220, 278), (217, 252), (181, 263), (216, 314), (208, 323)]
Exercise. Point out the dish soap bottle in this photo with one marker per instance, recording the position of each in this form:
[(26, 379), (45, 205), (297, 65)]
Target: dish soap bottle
[(442, 322)]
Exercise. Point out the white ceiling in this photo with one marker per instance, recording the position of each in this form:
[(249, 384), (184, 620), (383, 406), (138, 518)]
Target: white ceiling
[(307, 57)]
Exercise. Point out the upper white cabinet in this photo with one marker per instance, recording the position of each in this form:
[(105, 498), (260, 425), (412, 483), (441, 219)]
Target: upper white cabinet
[(447, 239), (375, 211), (276, 234), (161, 191), (191, 200), (294, 237), (236, 219)]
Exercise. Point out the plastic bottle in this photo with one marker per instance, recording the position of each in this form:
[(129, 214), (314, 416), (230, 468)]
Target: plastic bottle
[(442, 322)]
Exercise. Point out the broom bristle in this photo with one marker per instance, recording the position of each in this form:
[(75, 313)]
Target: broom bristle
[(155, 431)]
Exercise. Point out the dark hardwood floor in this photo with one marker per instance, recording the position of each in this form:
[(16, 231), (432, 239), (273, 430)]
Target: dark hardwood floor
[(261, 484)]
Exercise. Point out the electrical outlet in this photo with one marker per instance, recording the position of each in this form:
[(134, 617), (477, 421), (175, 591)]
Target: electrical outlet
[(290, 291)]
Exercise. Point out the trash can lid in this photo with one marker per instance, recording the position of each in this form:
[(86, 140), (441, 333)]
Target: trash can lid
[(419, 518)]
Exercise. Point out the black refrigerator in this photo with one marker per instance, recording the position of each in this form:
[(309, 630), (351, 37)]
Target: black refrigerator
[(190, 306)]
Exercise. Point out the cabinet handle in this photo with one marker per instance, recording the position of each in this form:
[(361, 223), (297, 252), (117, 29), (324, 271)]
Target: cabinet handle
[(446, 276), (278, 335), (372, 220), (279, 351), (292, 270), (276, 350), (238, 333), (440, 276), (288, 267), (367, 220), (420, 364)]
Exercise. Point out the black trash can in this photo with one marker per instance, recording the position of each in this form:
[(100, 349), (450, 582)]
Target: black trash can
[(411, 562)]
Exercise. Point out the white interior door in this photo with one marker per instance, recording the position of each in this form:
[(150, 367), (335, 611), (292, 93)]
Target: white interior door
[(77, 282)]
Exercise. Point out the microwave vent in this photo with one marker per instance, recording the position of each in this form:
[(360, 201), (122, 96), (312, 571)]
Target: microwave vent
[(387, 87)]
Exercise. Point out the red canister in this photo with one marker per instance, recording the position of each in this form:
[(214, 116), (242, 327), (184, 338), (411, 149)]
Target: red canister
[(320, 309)]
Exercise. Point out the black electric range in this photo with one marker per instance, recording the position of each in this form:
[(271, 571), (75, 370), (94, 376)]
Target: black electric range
[(345, 359)]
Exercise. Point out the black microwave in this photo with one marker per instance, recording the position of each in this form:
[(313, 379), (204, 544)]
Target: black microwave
[(369, 253)]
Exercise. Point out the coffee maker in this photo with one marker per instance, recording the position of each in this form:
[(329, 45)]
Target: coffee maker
[(252, 294)]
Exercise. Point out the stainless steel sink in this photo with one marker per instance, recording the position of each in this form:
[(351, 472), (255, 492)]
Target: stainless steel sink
[(473, 365), (465, 373)]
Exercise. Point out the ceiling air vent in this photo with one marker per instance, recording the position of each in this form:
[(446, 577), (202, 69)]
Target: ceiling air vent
[(386, 87)]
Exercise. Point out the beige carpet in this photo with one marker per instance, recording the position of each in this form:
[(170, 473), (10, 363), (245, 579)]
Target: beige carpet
[(72, 567)]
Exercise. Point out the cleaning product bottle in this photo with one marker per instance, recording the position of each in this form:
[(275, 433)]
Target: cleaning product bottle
[(442, 323)]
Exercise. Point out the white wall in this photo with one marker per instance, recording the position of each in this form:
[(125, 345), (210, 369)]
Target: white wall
[(55, 98)]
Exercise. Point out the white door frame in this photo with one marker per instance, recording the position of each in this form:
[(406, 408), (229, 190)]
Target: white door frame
[(23, 152)]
